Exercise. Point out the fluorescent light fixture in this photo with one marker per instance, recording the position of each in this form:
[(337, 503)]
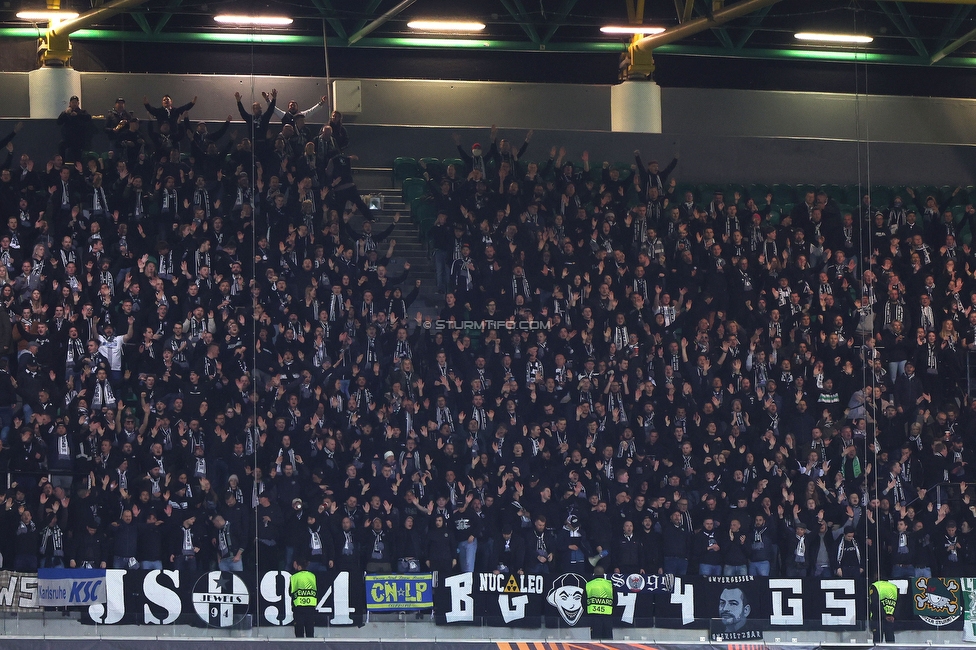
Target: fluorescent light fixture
[(631, 29), (266, 21), (832, 38), (440, 42), (446, 25), (47, 14)]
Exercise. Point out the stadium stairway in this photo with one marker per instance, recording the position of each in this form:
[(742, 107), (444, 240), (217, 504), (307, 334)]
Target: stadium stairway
[(376, 182)]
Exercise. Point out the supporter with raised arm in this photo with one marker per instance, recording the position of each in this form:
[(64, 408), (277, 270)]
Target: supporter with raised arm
[(258, 119), (167, 112)]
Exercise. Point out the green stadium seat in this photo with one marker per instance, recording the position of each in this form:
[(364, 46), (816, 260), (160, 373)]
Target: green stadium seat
[(415, 207), (729, 190), (426, 216), (927, 190), (458, 165), (757, 192), (705, 191), (880, 196), (783, 193), (834, 192), (424, 228), (624, 168), (802, 189), (434, 167), (852, 194), (413, 188), (404, 168), (902, 191)]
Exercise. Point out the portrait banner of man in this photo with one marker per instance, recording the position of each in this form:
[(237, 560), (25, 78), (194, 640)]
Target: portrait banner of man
[(737, 607), (734, 620)]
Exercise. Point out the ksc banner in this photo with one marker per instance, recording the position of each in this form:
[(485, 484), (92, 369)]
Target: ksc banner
[(762, 603), (220, 598), (399, 592), (70, 587)]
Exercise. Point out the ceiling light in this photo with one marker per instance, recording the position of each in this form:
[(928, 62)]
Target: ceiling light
[(833, 38), (631, 29), (46, 14), (446, 25), (441, 42), (229, 19)]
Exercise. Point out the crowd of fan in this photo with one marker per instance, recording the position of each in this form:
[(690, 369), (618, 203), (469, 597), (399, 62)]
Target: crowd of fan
[(207, 365)]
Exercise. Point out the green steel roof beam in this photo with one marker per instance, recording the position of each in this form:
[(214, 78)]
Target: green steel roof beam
[(561, 15), (516, 11), (953, 46), (140, 19), (755, 20), (905, 31), (370, 8), (329, 13), (960, 14), (912, 30), (723, 37), (165, 18)]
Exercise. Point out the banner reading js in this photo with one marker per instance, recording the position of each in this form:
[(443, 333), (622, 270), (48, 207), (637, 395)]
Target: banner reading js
[(220, 598)]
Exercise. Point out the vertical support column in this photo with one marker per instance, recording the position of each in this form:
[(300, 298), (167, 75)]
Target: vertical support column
[(50, 90), (635, 107)]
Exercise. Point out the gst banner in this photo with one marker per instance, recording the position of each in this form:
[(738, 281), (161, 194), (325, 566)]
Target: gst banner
[(70, 587), (746, 604), (220, 598), (18, 591), (400, 592)]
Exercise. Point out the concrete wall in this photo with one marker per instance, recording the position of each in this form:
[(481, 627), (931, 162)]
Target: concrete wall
[(687, 111), (764, 113), (388, 102), (721, 135), (15, 93)]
